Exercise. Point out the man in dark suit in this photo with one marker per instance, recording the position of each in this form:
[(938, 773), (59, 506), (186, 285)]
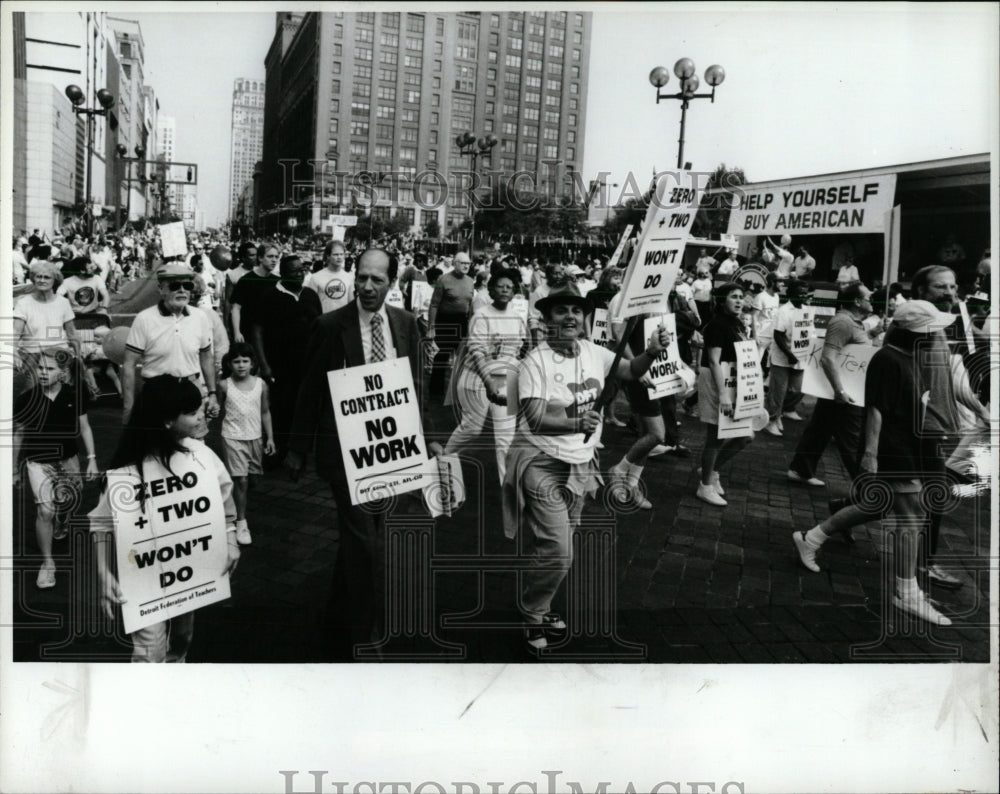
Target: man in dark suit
[(363, 332)]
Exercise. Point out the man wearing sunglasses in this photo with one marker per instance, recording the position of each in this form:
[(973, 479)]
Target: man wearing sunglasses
[(170, 338)]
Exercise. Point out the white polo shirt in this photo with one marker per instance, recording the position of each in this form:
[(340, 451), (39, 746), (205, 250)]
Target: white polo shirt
[(170, 344)]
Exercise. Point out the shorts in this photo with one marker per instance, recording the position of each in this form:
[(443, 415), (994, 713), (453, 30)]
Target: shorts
[(708, 397), (55, 482), (642, 404), (243, 457)]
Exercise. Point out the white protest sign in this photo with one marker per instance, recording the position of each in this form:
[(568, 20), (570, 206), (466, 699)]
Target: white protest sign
[(664, 375), (613, 261), (338, 233), (445, 492), (172, 551), (519, 305), (343, 220), (420, 295), (378, 422), (172, 239), (833, 206), (395, 298), (728, 426), (601, 332), (749, 381), (851, 363), (660, 251), (970, 340)]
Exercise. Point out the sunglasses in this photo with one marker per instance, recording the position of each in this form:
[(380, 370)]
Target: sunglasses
[(174, 286)]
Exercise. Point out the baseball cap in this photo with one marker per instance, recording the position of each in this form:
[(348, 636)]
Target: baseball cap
[(174, 270), (921, 317)]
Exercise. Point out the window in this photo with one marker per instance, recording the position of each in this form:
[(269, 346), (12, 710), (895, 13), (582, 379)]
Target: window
[(571, 120), (362, 71), (362, 53), (366, 18), (336, 67), (576, 55), (387, 92), (514, 43), (468, 30), (334, 126), (555, 51), (435, 100), (414, 23), (536, 30), (558, 34), (364, 34), (578, 20), (433, 136), (551, 100), (414, 61), (359, 149), (488, 125), (516, 25), (408, 154), (554, 85), (408, 134), (492, 57), (554, 67), (506, 163), (361, 108), (432, 155), (494, 20), (512, 78), (551, 151), (491, 74), (512, 95), (491, 90), (412, 96), (435, 119), (490, 108), (513, 61), (550, 134), (388, 57), (338, 50), (388, 75), (510, 110), (509, 128), (574, 88), (494, 39), (570, 153), (411, 78), (362, 89), (560, 18), (436, 83), (466, 51), (391, 21), (385, 112), (335, 87), (359, 128), (338, 31), (439, 26), (535, 47), (531, 114), (508, 145), (529, 131), (575, 72), (383, 131), (465, 77), (389, 40), (577, 37), (533, 65), (571, 136), (572, 104), (531, 150), (334, 106), (533, 81)]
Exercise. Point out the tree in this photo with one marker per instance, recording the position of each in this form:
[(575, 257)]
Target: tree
[(713, 214)]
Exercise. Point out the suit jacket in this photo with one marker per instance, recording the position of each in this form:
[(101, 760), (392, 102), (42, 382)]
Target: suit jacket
[(335, 343)]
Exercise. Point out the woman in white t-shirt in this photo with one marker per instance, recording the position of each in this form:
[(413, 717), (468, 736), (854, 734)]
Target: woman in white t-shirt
[(552, 465)]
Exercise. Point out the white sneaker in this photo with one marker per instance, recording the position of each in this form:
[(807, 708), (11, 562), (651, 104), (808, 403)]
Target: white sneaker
[(659, 449), (243, 534), (916, 603), (806, 552), (772, 429), (707, 493), (714, 481), (794, 476), (793, 415)]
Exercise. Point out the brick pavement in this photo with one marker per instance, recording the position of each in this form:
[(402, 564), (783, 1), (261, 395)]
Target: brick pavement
[(688, 582)]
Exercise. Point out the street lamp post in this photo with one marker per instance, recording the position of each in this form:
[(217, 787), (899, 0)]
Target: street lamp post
[(607, 204), (107, 101), (140, 153), (685, 71), (474, 147)]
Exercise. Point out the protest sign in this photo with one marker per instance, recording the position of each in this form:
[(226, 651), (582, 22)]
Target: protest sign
[(613, 261), (338, 233), (445, 491), (749, 381), (851, 363), (834, 206), (728, 426), (395, 298), (171, 548), (378, 422), (601, 331), (420, 295), (660, 251), (802, 334), (519, 305), (664, 376), (172, 239), (343, 220)]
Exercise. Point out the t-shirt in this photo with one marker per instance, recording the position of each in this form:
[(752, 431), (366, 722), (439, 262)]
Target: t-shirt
[(728, 267), (785, 260), (498, 336), (85, 294), (335, 288), (286, 324), (247, 293), (803, 266), (722, 331), (890, 387), (765, 308), (52, 426), (845, 329), (797, 325), (44, 321), (570, 387), (847, 274), (453, 294), (702, 289), (170, 344)]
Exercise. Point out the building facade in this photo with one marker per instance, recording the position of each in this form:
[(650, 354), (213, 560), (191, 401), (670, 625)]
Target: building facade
[(247, 142), (137, 118), (384, 95)]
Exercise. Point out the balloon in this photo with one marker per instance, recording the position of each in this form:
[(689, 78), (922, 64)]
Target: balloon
[(114, 344), (786, 240), (221, 258)]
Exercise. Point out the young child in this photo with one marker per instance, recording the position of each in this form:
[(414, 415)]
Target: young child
[(159, 436), (48, 418), (246, 412)]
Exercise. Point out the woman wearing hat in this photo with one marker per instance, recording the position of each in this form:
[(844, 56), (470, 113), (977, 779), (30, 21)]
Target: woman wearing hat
[(552, 464)]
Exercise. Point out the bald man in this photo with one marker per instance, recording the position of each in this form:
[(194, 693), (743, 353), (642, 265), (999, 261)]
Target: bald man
[(362, 332)]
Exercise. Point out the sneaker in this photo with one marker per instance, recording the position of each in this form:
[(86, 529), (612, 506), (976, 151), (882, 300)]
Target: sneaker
[(535, 637), (793, 415), (243, 534), (553, 623), (46, 578), (635, 495), (600, 445), (659, 449), (715, 482), (806, 552), (60, 528), (916, 603), (940, 576), (794, 476), (771, 428), (707, 493)]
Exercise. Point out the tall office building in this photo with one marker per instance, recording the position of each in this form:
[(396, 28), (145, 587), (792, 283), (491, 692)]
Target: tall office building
[(389, 92), (247, 143)]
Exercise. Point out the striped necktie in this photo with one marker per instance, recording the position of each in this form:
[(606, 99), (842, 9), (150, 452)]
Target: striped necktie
[(378, 341)]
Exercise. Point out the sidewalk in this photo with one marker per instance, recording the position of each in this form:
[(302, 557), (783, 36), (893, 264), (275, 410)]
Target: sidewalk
[(688, 582)]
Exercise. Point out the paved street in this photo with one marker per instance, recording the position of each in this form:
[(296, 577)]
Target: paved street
[(688, 582)]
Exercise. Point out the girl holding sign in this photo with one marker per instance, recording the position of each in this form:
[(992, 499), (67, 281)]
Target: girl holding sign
[(718, 360), (159, 435)]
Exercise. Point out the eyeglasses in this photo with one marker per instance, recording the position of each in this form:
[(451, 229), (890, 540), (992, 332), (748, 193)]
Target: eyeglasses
[(174, 286)]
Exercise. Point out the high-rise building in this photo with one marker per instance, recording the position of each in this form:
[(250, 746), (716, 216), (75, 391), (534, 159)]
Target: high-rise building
[(388, 92), (247, 143), (136, 106)]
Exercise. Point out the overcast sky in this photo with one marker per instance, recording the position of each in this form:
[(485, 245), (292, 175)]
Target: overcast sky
[(809, 88)]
